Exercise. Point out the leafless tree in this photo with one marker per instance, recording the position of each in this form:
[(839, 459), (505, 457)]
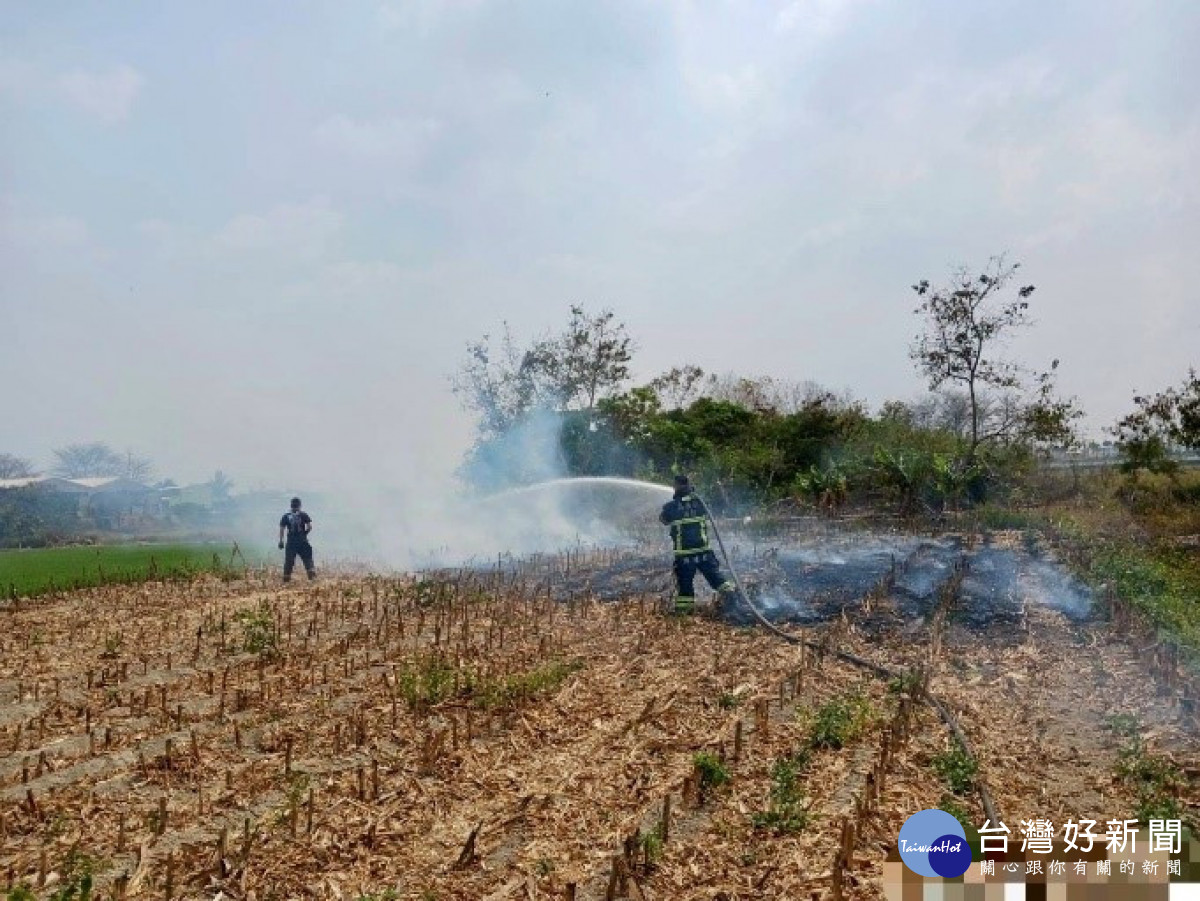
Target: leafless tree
[(771, 394), (678, 386), (14, 467), (98, 460)]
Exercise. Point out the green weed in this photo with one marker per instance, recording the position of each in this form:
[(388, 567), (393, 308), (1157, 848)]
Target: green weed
[(957, 768), (519, 688), (906, 683), (429, 682), (1125, 724), (1160, 582), (77, 879), (259, 635), (785, 813), (839, 722), (711, 771), (652, 845), (1155, 780), (952, 805), (1005, 518)]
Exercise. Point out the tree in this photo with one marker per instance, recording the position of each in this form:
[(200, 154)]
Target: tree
[(98, 460), (948, 411), (770, 394), (589, 360), (574, 370), (81, 461), (677, 387), (1048, 419), (139, 469), (965, 322), (13, 467), (500, 384), (1170, 417)]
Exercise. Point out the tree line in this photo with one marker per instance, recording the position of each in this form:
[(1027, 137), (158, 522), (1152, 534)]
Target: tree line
[(761, 439)]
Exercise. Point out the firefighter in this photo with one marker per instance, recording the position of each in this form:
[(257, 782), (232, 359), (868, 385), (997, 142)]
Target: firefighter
[(296, 524), (687, 518)]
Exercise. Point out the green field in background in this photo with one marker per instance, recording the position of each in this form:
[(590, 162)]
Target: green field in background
[(34, 571)]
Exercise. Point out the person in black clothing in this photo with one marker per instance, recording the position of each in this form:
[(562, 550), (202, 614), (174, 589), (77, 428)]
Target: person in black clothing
[(687, 518), (296, 524)]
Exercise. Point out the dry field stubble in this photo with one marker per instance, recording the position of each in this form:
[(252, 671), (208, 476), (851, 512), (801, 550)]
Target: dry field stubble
[(466, 736)]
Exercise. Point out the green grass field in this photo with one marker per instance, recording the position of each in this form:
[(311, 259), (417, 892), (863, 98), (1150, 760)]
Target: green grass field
[(35, 571)]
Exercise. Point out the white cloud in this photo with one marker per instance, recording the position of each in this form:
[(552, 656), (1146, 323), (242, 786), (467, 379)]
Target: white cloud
[(109, 96), (394, 139)]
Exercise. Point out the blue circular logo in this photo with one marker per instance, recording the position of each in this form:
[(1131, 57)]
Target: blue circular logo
[(934, 844)]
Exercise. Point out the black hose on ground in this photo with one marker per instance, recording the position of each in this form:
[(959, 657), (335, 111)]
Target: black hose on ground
[(883, 672)]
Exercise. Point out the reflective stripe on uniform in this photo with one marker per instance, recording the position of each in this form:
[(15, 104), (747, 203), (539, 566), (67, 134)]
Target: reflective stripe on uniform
[(676, 526)]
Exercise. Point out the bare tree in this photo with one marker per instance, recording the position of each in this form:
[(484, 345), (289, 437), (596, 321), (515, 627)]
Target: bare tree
[(98, 460), (14, 467), (138, 469), (81, 461), (949, 411), (770, 394), (678, 386)]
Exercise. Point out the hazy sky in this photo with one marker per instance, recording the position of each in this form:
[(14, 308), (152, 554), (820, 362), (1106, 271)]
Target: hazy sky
[(257, 236)]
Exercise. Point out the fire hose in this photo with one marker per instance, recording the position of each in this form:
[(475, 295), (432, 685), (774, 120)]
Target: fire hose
[(879, 670)]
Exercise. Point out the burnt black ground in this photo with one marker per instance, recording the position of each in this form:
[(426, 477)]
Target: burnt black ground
[(808, 579)]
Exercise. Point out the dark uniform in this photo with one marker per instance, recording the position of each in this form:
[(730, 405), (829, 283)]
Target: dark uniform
[(687, 518), (297, 523)]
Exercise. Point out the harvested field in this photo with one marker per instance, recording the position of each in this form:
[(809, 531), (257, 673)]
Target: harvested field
[(508, 733)]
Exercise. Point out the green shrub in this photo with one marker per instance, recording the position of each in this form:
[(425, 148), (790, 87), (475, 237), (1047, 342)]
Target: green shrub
[(957, 768), (839, 722)]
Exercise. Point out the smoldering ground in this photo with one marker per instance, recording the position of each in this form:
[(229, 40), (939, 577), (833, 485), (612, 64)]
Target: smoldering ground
[(517, 509), (817, 572)]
